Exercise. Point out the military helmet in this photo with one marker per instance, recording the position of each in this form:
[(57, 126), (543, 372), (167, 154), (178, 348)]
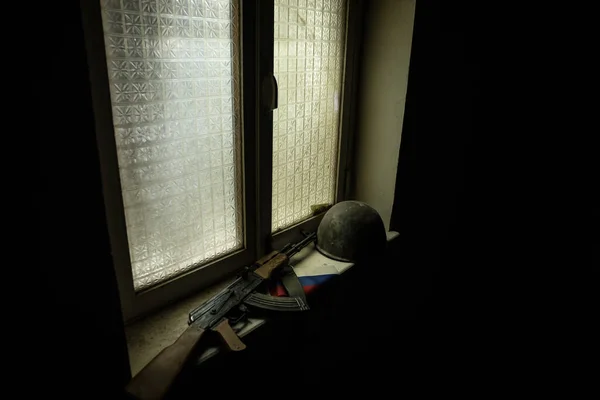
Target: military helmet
[(351, 231)]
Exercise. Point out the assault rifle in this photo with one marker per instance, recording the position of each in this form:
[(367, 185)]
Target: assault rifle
[(154, 380)]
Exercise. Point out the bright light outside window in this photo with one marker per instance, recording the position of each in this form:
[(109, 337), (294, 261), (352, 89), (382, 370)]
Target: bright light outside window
[(173, 69), (308, 65)]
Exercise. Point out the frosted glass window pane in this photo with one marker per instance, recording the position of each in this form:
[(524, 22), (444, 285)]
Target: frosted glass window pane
[(173, 69), (309, 53)]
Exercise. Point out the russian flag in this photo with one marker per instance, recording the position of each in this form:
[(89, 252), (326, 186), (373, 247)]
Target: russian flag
[(313, 270), (309, 284)]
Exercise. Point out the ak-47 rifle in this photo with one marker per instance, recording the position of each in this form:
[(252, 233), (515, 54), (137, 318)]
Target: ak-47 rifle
[(154, 380)]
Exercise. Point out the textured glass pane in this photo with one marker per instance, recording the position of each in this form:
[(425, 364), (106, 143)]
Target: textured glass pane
[(309, 54), (173, 70)]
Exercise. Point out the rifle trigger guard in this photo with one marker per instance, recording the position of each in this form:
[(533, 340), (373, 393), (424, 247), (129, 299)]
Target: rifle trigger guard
[(240, 315)]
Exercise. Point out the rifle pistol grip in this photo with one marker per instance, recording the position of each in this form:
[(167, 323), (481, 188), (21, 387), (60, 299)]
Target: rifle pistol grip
[(229, 337)]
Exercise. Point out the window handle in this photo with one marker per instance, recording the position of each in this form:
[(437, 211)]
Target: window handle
[(270, 92), (275, 93)]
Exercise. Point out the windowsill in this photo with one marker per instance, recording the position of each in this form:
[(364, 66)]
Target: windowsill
[(148, 336)]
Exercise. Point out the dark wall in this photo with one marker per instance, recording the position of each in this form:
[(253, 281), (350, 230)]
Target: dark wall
[(438, 209), (84, 347)]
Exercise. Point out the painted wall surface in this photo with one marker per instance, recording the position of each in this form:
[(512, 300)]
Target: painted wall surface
[(385, 60)]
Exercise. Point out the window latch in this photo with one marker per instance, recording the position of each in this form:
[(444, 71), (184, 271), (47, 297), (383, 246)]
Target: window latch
[(270, 93)]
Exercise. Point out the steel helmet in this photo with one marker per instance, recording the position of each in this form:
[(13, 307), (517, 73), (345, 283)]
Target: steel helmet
[(351, 231)]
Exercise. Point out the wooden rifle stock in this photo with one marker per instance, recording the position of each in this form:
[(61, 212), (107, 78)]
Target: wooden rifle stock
[(155, 379), (153, 382)]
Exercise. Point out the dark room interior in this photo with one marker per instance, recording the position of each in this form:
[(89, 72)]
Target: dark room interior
[(391, 321)]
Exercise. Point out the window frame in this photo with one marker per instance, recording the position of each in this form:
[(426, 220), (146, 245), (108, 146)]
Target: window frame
[(256, 74)]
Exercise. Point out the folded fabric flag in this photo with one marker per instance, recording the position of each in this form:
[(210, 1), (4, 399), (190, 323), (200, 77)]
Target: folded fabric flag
[(309, 284), (313, 270)]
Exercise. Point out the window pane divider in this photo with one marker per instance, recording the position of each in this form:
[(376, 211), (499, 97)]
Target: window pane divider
[(265, 122)]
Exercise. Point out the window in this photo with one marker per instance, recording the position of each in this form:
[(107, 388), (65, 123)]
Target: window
[(219, 124), (173, 72), (308, 58)]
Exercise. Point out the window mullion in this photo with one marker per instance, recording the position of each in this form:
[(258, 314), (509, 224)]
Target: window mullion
[(265, 122)]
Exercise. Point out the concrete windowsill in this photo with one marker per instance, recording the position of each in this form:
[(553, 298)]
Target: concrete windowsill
[(148, 336)]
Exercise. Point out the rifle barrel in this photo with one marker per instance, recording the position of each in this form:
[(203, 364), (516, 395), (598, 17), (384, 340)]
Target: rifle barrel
[(300, 245)]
